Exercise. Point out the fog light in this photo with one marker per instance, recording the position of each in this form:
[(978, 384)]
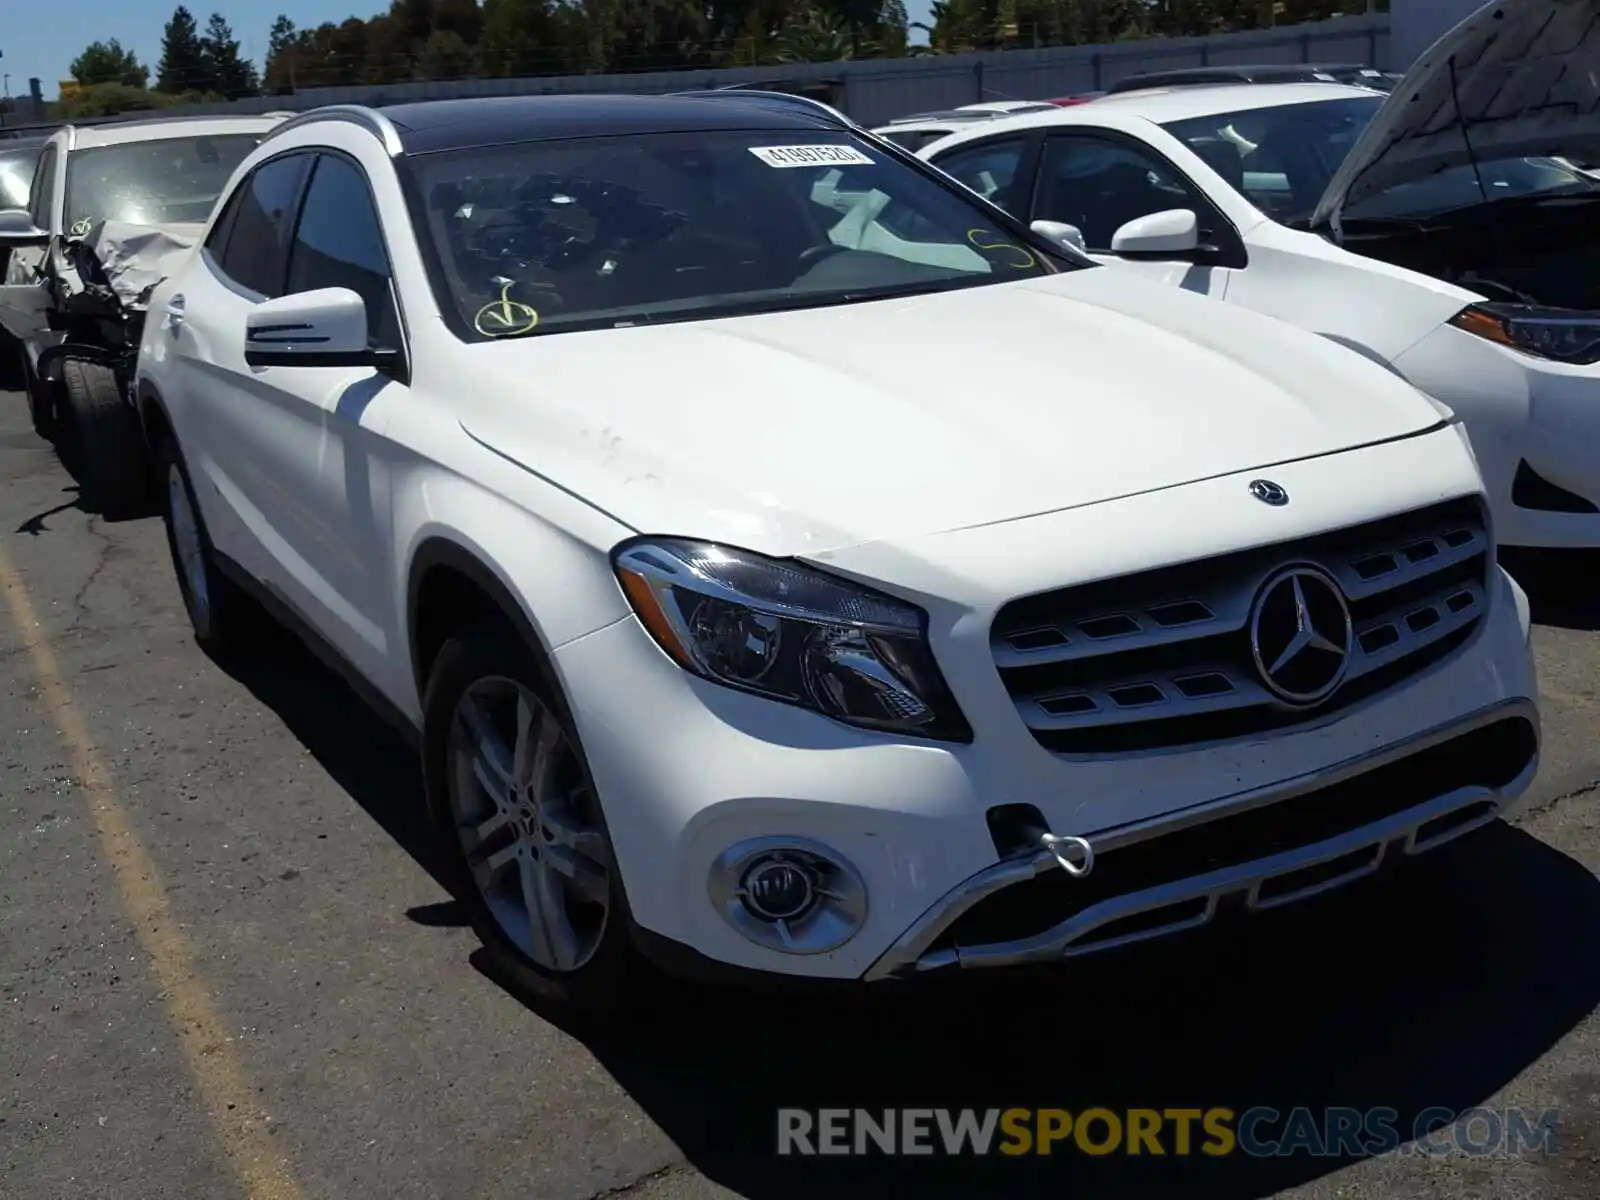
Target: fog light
[(777, 890), (789, 894)]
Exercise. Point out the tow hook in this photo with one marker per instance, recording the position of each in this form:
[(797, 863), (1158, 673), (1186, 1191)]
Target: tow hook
[(1074, 853)]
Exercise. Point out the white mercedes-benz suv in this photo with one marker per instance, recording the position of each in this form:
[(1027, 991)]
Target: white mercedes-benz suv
[(786, 561)]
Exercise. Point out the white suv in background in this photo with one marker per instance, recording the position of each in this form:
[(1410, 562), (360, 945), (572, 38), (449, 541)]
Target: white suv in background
[(1463, 254), (760, 600)]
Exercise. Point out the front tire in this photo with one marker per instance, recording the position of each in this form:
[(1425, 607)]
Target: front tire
[(220, 614), (106, 441), (520, 823)]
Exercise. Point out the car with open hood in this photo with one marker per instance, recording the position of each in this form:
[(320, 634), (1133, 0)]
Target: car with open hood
[(1445, 231), (786, 561)]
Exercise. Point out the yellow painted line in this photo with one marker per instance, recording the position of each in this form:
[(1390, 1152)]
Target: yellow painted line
[(241, 1125)]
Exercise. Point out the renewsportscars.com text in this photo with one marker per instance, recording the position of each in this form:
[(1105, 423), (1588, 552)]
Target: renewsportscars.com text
[(1162, 1132)]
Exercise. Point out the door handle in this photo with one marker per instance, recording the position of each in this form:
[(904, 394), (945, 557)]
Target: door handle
[(174, 314)]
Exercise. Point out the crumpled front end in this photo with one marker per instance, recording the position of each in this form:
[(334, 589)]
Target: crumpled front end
[(128, 261)]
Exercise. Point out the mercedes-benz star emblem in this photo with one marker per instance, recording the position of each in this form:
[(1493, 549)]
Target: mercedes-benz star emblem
[(1268, 492), (1301, 635)]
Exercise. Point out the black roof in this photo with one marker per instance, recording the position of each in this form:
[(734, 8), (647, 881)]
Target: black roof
[(432, 125)]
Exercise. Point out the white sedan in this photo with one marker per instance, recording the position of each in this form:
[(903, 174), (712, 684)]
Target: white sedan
[(1453, 254), (829, 580)]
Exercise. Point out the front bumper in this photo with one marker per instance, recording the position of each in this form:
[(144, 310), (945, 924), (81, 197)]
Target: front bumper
[(1534, 426), (687, 769), (1130, 913)]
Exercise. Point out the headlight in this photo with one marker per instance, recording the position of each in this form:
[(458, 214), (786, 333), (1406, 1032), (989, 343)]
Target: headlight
[(1566, 335), (779, 629)]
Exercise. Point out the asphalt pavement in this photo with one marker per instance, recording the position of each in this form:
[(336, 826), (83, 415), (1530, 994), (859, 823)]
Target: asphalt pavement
[(226, 969)]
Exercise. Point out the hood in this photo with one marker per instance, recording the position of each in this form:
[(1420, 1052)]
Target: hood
[(1527, 77), (811, 430)]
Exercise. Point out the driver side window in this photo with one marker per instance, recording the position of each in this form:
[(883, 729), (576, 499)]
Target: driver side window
[(248, 242), (339, 243), (1100, 185)]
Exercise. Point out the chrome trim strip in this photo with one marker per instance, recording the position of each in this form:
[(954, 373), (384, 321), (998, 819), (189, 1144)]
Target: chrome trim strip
[(370, 119), (909, 952)]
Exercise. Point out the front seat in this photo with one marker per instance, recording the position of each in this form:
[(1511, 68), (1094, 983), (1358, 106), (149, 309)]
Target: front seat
[(1223, 157)]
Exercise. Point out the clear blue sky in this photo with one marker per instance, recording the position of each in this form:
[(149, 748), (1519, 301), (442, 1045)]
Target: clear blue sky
[(52, 33)]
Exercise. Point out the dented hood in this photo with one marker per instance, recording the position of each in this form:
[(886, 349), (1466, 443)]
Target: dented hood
[(1520, 78), (814, 429), (137, 257)]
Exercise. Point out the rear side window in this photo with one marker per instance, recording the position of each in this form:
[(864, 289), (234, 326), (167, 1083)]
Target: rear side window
[(254, 235), (339, 243)]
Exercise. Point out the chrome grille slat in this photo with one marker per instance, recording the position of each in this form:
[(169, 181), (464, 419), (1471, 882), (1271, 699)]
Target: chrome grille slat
[(1245, 693), (1411, 641), (1228, 611), (1416, 585), (1357, 589)]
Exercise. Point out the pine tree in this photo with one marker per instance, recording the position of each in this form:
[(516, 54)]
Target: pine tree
[(226, 72), (282, 42), (183, 65)]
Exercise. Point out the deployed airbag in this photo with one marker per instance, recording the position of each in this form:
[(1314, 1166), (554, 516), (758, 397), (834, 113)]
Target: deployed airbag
[(133, 259)]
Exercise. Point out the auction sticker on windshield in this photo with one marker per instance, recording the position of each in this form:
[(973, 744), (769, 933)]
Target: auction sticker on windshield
[(811, 156)]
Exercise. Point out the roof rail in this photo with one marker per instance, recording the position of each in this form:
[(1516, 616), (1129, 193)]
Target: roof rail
[(157, 117), (370, 119), (734, 91)]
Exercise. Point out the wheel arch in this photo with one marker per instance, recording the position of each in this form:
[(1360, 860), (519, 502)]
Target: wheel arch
[(153, 414), (449, 586)]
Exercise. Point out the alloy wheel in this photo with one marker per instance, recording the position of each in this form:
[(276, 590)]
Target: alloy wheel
[(528, 824)]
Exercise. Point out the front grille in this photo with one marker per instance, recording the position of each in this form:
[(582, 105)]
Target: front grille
[(1163, 659)]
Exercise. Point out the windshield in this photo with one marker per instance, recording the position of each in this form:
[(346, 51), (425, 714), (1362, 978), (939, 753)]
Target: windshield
[(1283, 158), (171, 180), (546, 237), (16, 177)]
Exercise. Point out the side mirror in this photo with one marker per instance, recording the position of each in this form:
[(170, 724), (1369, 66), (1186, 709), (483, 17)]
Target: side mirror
[(1170, 234), (324, 328), (18, 232), (1069, 236)]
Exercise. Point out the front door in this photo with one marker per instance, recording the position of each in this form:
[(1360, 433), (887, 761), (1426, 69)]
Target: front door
[(295, 452), (24, 298), (1101, 181)]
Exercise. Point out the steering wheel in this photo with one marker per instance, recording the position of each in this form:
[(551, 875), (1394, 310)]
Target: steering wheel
[(815, 254)]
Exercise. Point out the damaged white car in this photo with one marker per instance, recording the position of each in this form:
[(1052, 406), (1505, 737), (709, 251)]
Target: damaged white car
[(108, 209), (1444, 231)]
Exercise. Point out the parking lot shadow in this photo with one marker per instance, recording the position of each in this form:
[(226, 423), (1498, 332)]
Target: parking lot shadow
[(364, 754), (1428, 991)]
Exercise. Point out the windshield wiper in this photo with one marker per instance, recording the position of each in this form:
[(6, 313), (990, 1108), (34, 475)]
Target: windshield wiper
[(786, 302)]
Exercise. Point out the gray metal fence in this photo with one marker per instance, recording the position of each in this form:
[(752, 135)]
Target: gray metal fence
[(878, 90)]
